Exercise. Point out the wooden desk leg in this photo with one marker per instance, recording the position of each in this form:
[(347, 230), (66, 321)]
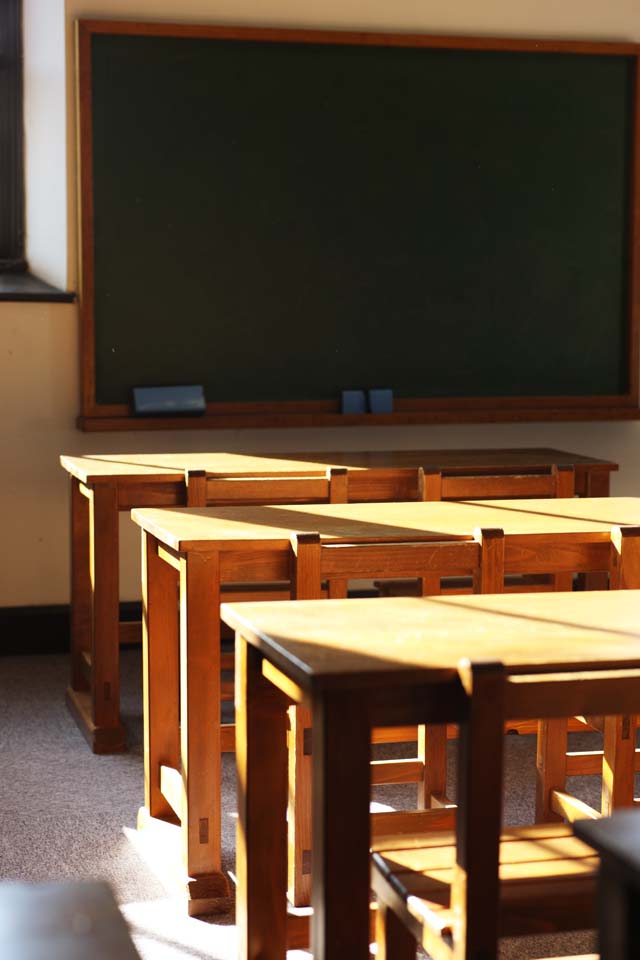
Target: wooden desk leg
[(261, 849), (160, 675), (299, 815), (597, 485), (475, 887), (200, 732), (98, 712), (340, 862), (80, 587), (105, 685)]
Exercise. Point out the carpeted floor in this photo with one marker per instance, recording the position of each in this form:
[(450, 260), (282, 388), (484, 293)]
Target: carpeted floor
[(69, 814)]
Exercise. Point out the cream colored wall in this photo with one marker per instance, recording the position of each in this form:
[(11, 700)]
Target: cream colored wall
[(39, 393)]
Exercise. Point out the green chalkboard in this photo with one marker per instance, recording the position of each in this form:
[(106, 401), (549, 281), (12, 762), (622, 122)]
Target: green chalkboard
[(281, 219)]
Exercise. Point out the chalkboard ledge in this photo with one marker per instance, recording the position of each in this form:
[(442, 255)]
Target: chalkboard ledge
[(25, 287), (98, 424)]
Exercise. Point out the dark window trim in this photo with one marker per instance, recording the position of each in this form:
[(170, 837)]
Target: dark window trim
[(11, 139), (24, 287)]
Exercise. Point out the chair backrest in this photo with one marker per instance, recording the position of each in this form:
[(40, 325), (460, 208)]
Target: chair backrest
[(331, 486), (313, 562), (334, 485), (486, 559), (383, 485), (554, 481)]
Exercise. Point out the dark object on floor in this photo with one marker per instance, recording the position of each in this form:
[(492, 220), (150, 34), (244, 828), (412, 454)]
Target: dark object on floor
[(62, 921)]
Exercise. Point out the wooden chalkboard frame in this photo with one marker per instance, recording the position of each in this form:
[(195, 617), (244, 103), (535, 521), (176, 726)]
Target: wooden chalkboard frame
[(106, 417)]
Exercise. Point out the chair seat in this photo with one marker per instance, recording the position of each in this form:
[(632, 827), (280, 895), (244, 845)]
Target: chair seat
[(547, 878)]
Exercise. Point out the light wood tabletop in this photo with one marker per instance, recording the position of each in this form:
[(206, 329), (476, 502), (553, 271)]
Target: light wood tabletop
[(364, 662), (610, 510), (227, 464), (190, 527), (104, 485), (318, 642)]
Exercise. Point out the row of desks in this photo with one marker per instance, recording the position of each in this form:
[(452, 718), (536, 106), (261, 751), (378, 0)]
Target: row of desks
[(102, 486), (334, 658), (189, 553)]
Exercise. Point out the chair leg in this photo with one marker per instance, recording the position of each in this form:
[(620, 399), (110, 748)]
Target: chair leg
[(432, 751), (618, 763), (551, 766), (562, 582), (393, 940), (299, 807)]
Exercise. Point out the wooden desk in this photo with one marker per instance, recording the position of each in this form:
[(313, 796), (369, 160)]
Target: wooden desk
[(617, 840), (336, 657), (188, 553), (104, 485)]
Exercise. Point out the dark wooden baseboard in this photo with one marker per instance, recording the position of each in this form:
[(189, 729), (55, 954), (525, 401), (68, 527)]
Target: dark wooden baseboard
[(27, 631), (44, 629)]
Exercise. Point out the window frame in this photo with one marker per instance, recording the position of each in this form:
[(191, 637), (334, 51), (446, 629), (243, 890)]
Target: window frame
[(12, 200)]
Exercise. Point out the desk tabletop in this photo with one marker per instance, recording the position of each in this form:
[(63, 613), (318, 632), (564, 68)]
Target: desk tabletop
[(616, 511), (170, 466), (192, 528), (407, 640)]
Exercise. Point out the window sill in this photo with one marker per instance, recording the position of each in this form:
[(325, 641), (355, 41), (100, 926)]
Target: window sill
[(24, 287)]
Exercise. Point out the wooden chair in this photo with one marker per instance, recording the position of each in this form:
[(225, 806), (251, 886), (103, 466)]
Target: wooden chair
[(555, 481), (315, 564), (323, 570), (207, 491), (456, 891), (329, 486), (204, 490), (619, 759)]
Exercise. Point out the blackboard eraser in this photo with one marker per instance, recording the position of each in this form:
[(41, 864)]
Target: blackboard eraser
[(354, 401), (169, 401), (380, 401)]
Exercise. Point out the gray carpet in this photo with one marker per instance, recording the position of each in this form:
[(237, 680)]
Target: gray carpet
[(69, 814)]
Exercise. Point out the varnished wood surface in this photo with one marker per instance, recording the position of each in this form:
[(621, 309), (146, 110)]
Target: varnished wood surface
[(172, 466), (187, 528), (319, 642), (616, 511)]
